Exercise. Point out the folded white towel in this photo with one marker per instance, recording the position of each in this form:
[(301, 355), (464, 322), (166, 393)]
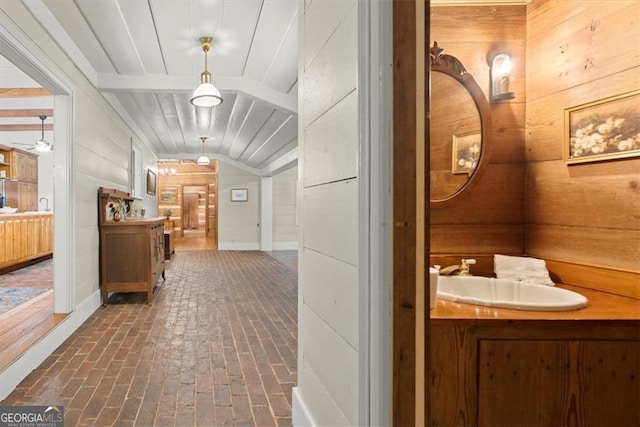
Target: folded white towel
[(522, 269)]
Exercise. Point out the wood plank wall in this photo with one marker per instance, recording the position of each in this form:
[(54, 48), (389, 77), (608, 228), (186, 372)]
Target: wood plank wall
[(489, 219), (189, 174), (578, 52)]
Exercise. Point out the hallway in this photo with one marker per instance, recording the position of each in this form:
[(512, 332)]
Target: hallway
[(217, 347)]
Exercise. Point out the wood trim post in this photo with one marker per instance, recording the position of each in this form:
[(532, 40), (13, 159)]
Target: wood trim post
[(410, 186)]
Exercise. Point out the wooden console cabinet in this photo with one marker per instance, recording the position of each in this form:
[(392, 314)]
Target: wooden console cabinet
[(131, 250)]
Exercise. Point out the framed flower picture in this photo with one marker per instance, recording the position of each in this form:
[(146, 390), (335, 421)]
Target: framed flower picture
[(466, 152), (605, 129)]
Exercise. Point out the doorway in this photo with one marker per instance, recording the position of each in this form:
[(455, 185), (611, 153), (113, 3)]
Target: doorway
[(194, 211), (188, 198)]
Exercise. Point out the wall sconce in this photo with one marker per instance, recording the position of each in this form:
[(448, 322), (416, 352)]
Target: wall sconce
[(500, 70)]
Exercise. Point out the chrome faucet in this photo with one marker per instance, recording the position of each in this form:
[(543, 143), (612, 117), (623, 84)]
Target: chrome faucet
[(46, 209), (461, 269)]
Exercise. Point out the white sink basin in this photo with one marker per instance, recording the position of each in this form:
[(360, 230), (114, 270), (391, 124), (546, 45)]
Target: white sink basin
[(503, 293)]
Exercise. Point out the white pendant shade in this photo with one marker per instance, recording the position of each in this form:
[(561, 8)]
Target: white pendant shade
[(206, 95), (203, 161)]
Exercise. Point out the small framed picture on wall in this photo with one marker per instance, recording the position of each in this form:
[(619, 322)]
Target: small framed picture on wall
[(239, 194), (151, 182)]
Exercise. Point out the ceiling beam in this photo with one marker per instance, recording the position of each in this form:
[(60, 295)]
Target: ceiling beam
[(23, 92), (19, 128), (254, 89), (288, 160), (48, 112)]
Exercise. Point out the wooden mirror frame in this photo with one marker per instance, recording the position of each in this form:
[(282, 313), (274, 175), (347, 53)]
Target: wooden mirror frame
[(451, 66)]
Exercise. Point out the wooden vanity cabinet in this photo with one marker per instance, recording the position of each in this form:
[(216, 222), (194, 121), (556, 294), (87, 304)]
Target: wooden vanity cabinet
[(131, 251)]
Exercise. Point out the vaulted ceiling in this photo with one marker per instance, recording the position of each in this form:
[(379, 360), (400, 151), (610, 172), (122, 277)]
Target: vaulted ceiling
[(145, 57)]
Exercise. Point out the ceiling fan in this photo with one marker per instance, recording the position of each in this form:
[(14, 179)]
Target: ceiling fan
[(41, 144)]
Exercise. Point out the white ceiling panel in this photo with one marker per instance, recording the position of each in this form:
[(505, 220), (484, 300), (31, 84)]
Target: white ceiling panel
[(264, 137), (139, 20), (268, 38), (179, 45), (239, 21), (144, 54), (259, 162), (207, 21), (74, 24), (112, 33), (284, 135), (256, 119), (221, 116), (241, 109), (283, 72)]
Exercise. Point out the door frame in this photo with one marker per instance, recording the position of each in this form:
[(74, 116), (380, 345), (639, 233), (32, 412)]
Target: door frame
[(29, 58)]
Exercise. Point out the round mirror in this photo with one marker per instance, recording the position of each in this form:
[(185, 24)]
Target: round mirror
[(459, 127)]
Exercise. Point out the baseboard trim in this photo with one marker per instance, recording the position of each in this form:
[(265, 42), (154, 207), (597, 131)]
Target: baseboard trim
[(13, 374), (285, 246), (231, 246), (300, 416)]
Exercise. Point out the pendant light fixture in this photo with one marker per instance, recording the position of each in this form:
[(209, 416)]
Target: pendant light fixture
[(203, 160), (42, 144), (205, 94)]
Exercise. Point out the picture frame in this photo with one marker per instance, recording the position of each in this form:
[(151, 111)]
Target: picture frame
[(168, 194), (466, 149), (239, 194), (151, 182), (605, 129)]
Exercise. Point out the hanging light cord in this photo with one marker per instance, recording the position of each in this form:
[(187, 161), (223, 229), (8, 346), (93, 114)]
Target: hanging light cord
[(43, 118)]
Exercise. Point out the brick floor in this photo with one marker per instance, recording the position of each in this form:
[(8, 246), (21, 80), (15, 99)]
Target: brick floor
[(217, 347)]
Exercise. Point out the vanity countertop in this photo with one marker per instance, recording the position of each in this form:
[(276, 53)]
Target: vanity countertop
[(602, 306)]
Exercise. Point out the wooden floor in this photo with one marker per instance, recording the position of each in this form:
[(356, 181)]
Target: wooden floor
[(193, 243), (24, 328)]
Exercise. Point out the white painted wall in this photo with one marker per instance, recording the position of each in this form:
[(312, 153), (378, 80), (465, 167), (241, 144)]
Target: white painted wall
[(238, 222), (285, 218), (328, 353)]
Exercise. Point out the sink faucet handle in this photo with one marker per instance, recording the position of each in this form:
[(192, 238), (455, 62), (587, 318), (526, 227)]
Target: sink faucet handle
[(464, 265)]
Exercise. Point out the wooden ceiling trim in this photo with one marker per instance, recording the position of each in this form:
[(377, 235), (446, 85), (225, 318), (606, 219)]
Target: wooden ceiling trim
[(48, 112), (24, 127), (23, 92)]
